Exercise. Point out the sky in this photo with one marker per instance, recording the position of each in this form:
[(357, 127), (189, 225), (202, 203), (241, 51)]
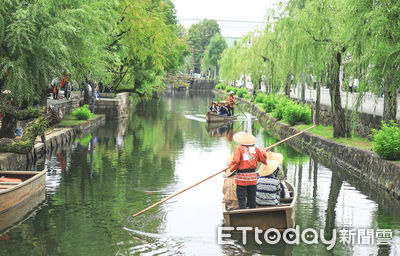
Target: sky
[(249, 10)]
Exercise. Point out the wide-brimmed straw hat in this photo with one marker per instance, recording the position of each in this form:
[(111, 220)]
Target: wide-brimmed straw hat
[(268, 169), (228, 172), (231, 92), (244, 138), (275, 156)]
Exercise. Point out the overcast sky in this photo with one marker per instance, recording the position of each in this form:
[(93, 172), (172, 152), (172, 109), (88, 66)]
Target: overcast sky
[(248, 10)]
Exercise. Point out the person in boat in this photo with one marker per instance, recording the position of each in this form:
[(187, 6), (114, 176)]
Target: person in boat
[(279, 172), (231, 103), (268, 185), (223, 110), (212, 107), (245, 160), (230, 198)]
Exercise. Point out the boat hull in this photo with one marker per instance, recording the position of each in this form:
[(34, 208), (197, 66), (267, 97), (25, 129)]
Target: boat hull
[(280, 217), (215, 118), (11, 195)]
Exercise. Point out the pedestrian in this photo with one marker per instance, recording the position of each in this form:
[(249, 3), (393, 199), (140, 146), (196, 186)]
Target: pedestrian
[(55, 91), (245, 160), (351, 80)]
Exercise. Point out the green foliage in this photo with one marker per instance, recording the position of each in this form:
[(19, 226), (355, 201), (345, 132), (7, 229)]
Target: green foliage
[(386, 141), (1, 29), (221, 86), (214, 51), (82, 113), (199, 37), (294, 113), (284, 108), (242, 92)]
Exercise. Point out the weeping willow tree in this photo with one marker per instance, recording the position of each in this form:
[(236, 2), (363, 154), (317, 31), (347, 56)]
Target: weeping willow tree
[(130, 44), (40, 40), (146, 45)]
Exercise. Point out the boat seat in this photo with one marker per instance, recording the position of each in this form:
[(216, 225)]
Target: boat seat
[(286, 200)]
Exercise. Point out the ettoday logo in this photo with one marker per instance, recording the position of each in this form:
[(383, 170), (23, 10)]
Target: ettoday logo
[(308, 236)]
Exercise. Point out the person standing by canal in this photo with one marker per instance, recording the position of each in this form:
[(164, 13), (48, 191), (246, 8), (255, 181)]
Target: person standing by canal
[(231, 103), (245, 160)]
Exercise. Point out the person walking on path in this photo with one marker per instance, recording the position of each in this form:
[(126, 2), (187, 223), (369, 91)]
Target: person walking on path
[(245, 160), (231, 103)]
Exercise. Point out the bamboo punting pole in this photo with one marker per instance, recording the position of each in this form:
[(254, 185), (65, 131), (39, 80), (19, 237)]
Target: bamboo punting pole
[(215, 174)]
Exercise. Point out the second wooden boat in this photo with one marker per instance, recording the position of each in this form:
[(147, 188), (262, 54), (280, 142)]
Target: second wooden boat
[(280, 217), (214, 117), (14, 193)]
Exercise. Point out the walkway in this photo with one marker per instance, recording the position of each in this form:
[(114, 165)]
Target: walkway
[(370, 103)]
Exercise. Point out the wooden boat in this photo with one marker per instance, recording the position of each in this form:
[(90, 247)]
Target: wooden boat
[(22, 211), (280, 217), (14, 193), (215, 118)]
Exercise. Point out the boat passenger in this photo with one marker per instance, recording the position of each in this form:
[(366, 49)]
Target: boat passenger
[(212, 107), (245, 160), (223, 110), (279, 172), (230, 198), (268, 185), (231, 103)]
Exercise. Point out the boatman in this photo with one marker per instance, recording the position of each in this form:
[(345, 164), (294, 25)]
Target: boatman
[(245, 161), (231, 103)]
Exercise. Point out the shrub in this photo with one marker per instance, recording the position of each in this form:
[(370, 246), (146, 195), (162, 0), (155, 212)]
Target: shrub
[(221, 86), (248, 97), (82, 113), (270, 102), (280, 107), (228, 88), (386, 141), (260, 98), (242, 92)]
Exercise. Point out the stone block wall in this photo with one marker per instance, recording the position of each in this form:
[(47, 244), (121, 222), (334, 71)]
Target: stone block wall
[(202, 84), (363, 125), (113, 108), (362, 164)]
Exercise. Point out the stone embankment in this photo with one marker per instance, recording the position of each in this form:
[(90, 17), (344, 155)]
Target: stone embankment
[(55, 138), (364, 164)]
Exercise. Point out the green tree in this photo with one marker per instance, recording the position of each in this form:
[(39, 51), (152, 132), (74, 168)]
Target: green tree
[(199, 37), (213, 54)]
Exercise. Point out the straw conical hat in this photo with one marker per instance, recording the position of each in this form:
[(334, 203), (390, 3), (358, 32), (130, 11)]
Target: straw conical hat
[(268, 169), (228, 172), (244, 138), (231, 92), (275, 156)]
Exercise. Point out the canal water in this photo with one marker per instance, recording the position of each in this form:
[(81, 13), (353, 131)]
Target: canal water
[(97, 182)]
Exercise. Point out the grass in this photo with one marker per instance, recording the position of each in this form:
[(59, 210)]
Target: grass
[(327, 132), (70, 120)]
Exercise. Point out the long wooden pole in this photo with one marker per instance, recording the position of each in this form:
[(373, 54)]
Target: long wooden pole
[(215, 174)]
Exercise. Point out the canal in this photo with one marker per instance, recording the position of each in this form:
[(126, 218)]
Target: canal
[(97, 182)]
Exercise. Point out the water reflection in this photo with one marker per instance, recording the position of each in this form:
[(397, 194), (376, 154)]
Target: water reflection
[(99, 181)]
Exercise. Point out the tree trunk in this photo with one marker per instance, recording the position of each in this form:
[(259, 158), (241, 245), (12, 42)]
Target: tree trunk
[(318, 103), (340, 126), (390, 99), (86, 96), (287, 87), (8, 126)]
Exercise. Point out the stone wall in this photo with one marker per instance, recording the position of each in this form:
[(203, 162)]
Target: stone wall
[(113, 108), (363, 125), (363, 164), (202, 84), (57, 138), (66, 106)]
